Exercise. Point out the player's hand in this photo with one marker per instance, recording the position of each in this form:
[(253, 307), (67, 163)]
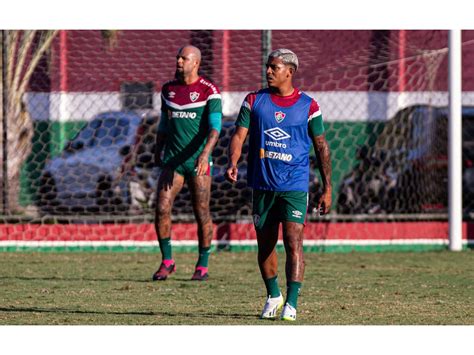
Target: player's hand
[(202, 165), (231, 174), (324, 203)]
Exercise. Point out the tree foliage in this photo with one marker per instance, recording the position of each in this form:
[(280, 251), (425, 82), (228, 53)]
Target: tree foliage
[(23, 50)]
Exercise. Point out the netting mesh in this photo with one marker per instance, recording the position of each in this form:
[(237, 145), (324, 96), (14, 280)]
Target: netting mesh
[(92, 101)]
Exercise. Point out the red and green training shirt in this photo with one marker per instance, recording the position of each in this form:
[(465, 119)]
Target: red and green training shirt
[(188, 112)]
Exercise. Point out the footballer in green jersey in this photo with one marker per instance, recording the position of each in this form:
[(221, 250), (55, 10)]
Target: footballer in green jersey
[(188, 113), (191, 119)]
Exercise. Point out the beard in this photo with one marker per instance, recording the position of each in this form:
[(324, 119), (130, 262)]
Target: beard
[(179, 74)]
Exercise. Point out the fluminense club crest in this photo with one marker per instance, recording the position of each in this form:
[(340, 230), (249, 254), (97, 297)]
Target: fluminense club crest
[(193, 96), (279, 116)]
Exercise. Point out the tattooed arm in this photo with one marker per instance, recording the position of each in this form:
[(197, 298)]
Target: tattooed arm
[(323, 156), (202, 162), (235, 151)]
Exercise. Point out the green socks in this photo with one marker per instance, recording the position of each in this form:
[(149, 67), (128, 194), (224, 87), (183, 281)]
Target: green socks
[(293, 290), (165, 247), (272, 287), (203, 260), (166, 252)]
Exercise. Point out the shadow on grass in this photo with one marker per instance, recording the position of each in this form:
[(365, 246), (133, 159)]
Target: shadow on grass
[(54, 278), (131, 313)]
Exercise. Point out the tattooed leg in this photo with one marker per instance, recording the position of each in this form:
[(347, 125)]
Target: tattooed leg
[(293, 240), (169, 185), (200, 188)]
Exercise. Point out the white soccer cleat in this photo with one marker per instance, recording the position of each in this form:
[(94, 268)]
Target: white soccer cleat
[(272, 306), (289, 313)]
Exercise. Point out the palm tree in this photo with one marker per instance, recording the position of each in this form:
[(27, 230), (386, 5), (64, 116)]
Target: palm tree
[(22, 51)]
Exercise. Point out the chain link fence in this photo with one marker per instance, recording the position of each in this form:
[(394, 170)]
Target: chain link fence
[(80, 110)]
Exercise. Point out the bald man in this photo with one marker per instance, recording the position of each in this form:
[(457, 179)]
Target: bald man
[(191, 119)]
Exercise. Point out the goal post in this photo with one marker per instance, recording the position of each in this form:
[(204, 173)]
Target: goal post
[(455, 140)]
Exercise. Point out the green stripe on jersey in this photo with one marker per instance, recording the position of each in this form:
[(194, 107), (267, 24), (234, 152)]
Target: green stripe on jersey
[(316, 126)]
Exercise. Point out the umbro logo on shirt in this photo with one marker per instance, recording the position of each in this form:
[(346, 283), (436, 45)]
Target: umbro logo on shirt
[(297, 214), (277, 133)]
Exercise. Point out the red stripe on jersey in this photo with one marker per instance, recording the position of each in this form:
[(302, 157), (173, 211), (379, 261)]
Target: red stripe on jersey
[(180, 93), (314, 107), (284, 101)]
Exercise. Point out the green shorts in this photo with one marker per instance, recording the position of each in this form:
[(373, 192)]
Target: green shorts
[(277, 206), (188, 168)]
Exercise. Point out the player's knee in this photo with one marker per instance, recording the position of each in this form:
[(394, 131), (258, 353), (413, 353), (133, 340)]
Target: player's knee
[(163, 210), (202, 213), (204, 218), (294, 246)]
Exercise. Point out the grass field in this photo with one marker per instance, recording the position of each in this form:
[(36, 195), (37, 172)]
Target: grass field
[(430, 288)]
